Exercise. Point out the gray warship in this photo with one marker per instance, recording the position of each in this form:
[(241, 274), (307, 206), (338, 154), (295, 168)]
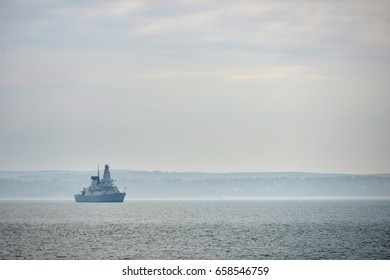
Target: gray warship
[(103, 190)]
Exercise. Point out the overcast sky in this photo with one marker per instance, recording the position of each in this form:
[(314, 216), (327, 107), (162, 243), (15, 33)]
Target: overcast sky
[(218, 86)]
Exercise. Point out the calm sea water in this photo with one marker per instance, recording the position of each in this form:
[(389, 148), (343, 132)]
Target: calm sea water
[(302, 229)]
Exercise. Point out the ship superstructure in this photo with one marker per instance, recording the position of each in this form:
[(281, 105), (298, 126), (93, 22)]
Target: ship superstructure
[(101, 190)]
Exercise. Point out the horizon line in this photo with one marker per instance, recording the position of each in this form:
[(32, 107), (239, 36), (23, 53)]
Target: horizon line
[(210, 172)]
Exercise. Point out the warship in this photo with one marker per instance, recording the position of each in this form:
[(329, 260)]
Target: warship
[(103, 190)]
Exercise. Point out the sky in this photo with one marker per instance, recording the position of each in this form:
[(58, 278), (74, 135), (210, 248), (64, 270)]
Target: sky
[(215, 86)]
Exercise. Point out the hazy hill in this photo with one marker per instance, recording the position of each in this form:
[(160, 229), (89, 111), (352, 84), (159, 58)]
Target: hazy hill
[(142, 184)]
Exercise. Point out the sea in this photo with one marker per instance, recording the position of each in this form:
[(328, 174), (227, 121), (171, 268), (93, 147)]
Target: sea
[(196, 229)]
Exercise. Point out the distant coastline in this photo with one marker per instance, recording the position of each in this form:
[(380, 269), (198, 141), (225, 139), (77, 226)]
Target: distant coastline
[(59, 184)]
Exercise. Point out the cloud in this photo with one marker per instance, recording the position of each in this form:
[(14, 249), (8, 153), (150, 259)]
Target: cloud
[(231, 72), (326, 26), (170, 25), (277, 73), (98, 10), (320, 24)]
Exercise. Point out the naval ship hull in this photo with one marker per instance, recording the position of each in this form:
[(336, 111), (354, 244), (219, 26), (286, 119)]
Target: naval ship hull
[(114, 197)]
